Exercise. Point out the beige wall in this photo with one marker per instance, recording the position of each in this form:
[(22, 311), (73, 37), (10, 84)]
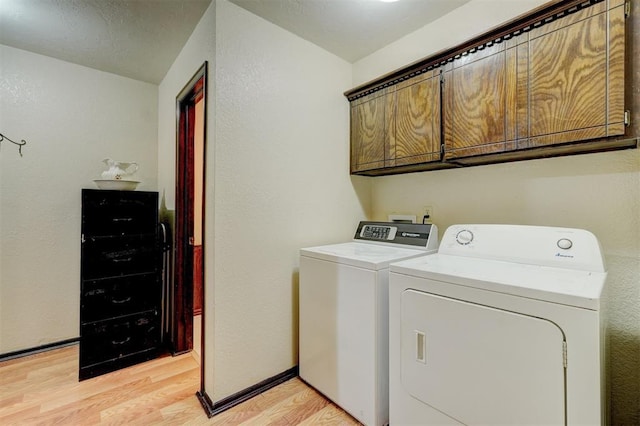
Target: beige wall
[(598, 192), (281, 183), (276, 180), (71, 117)]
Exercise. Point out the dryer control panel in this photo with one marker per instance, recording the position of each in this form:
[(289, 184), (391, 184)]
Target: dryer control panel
[(416, 235), (533, 245)]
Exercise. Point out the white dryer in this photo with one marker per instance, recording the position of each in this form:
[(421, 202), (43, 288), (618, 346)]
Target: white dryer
[(503, 326), (344, 292)]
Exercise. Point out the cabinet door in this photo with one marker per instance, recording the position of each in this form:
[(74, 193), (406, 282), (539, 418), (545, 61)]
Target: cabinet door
[(368, 132), (416, 136), (480, 102), (576, 77)]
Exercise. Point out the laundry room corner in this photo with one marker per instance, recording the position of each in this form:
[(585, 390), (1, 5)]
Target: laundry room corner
[(598, 192)]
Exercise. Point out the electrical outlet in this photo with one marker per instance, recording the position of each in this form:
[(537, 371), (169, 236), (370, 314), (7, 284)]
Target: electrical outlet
[(427, 214)]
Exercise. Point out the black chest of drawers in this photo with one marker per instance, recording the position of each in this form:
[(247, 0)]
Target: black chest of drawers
[(121, 288)]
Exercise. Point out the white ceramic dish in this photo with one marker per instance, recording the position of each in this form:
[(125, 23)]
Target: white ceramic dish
[(117, 184)]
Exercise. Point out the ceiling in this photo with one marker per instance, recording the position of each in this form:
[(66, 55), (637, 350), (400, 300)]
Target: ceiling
[(351, 29), (140, 39)]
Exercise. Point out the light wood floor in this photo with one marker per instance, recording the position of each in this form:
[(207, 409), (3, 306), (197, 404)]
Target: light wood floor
[(43, 389)]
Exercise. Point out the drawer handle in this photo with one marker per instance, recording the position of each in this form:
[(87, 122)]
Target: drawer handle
[(126, 259), (121, 300), (123, 219), (120, 342)]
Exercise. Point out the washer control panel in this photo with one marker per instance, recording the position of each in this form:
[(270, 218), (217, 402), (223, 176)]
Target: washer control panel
[(417, 235), (379, 232)]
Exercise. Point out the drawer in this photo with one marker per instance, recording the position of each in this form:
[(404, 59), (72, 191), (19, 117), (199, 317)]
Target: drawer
[(119, 212), (114, 297), (120, 337), (107, 257)]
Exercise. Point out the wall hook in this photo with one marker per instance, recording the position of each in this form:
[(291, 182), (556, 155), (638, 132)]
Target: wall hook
[(20, 144)]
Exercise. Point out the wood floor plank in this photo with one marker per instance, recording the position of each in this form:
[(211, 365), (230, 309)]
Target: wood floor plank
[(10, 401), (280, 410), (18, 417), (18, 406), (154, 396), (87, 410), (329, 416), (185, 411), (312, 403)]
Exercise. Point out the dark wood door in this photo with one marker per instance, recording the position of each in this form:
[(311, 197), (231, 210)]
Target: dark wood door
[(182, 338)]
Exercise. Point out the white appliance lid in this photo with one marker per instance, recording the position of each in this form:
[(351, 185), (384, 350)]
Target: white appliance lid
[(564, 286), (363, 255), (560, 265)]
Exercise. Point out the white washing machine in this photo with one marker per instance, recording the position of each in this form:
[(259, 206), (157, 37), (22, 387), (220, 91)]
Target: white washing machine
[(344, 290), (503, 326)]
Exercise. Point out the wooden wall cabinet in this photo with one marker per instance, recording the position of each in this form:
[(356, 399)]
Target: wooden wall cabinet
[(121, 287), (397, 126), (549, 83), (557, 83)]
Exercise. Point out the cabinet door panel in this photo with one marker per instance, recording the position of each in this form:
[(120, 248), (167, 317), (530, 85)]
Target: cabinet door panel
[(368, 132), (476, 107), (417, 123), (577, 77), (568, 85)]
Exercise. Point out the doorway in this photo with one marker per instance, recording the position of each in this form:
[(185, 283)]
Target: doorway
[(189, 217)]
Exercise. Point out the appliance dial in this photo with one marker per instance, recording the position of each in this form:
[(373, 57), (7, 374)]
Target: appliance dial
[(464, 237), (565, 243)]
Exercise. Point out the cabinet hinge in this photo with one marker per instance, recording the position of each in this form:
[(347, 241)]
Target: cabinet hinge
[(627, 9), (564, 353), (627, 118), (82, 240)]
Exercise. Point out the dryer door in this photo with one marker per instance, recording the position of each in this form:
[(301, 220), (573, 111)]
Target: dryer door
[(481, 365)]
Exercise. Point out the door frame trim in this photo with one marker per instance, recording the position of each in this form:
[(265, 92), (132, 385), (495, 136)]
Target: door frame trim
[(182, 332)]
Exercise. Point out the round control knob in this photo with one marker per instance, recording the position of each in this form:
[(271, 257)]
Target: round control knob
[(464, 237), (565, 243)]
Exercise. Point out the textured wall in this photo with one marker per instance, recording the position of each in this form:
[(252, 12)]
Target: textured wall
[(281, 183), (71, 117), (598, 192)]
